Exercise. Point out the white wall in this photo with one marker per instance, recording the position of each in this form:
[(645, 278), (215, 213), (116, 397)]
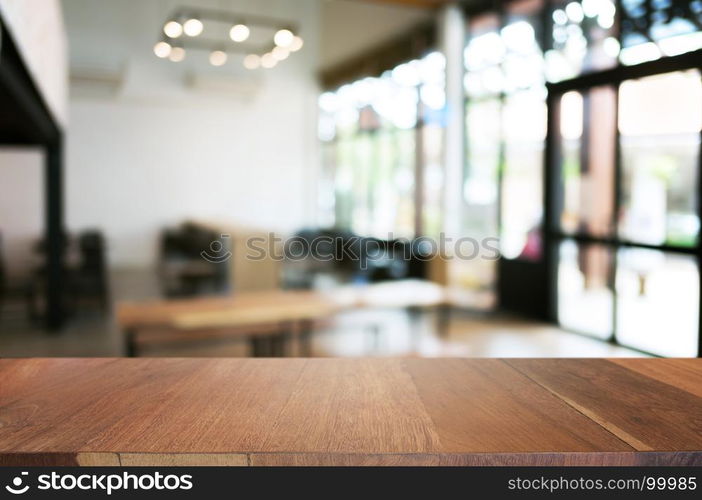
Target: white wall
[(144, 150), (21, 207)]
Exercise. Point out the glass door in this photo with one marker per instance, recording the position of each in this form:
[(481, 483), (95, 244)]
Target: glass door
[(626, 232)]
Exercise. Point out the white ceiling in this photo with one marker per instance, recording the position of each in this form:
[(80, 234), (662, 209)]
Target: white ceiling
[(106, 34), (350, 27)]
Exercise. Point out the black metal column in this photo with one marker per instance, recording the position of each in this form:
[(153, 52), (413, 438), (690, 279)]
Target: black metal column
[(699, 245), (53, 234), (553, 202)]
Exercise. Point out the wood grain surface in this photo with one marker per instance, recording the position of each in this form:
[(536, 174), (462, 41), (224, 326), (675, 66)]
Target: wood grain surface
[(644, 412), (682, 373), (276, 306), (349, 412), (263, 306)]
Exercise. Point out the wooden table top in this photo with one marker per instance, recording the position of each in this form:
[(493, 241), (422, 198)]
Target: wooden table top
[(169, 312), (276, 306), (350, 411)]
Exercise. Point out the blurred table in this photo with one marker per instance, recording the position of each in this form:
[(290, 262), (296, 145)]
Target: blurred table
[(263, 318), (267, 318), (160, 411)]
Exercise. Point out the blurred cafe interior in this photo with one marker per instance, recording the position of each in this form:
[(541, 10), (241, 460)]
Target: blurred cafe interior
[(347, 178)]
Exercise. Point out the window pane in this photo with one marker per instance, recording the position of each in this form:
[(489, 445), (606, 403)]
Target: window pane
[(659, 123), (368, 130), (585, 298), (362, 164), (523, 63), (387, 195), (483, 56), (660, 28), (587, 126), (433, 179), (326, 199), (583, 37), (483, 160), (658, 302), (403, 181), (571, 129), (343, 181), (479, 217), (524, 132)]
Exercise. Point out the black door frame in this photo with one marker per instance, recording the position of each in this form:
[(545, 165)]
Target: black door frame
[(26, 120)]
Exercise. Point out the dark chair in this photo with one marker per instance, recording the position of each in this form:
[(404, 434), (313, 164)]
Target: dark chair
[(35, 288), (88, 280), (387, 260), (349, 257), (85, 274), (312, 252), (188, 266)]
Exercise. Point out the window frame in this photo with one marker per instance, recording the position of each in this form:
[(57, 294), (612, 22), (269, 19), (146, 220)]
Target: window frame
[(553, 202), (552, 234)]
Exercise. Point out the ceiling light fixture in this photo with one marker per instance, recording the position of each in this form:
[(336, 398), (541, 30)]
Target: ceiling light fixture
[(173, 29), (268, 61), (252, 61), (162, 49), (283, 38), (296, 44), (193, 27), (177, 54), (226, 36), (239, 33), (218, 58), (280, 53)]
